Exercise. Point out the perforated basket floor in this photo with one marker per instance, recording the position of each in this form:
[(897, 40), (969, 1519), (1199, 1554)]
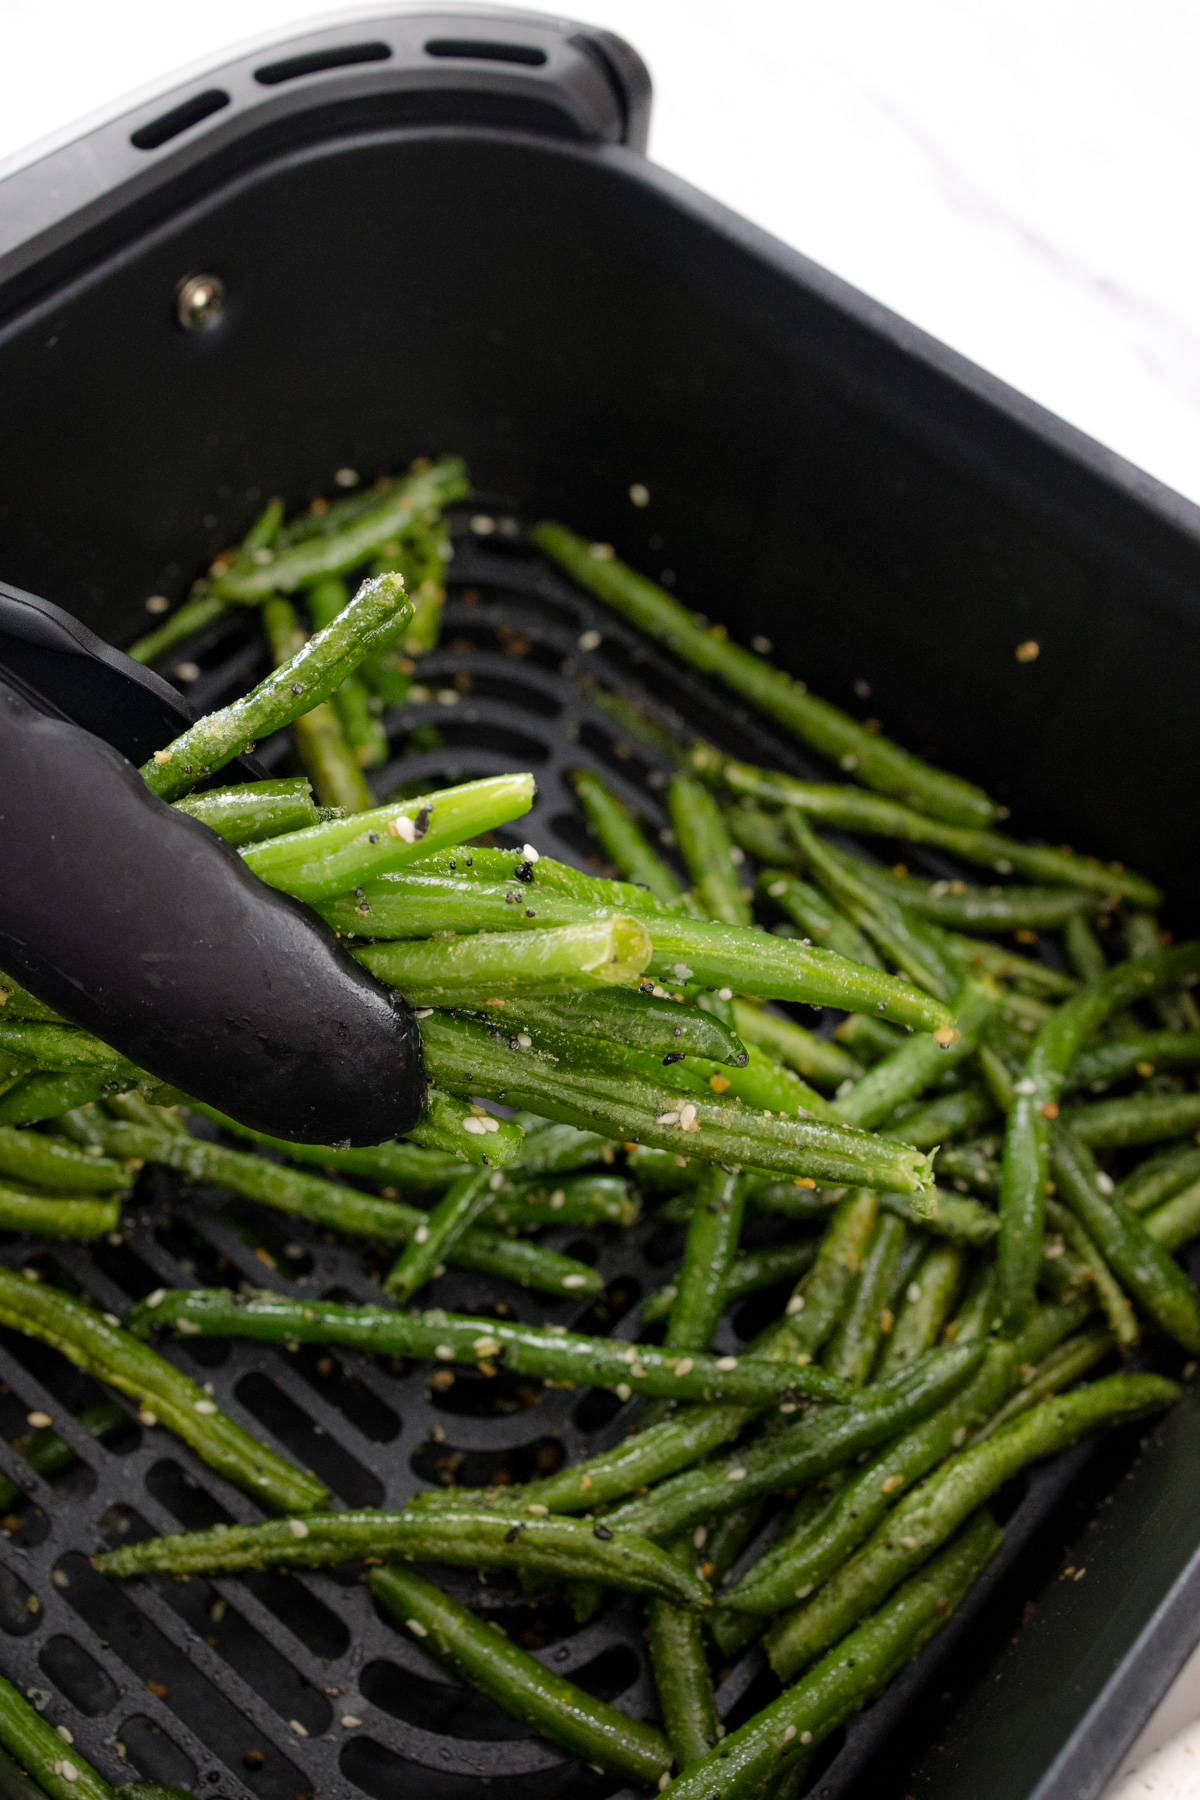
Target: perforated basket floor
[(291, 1685)]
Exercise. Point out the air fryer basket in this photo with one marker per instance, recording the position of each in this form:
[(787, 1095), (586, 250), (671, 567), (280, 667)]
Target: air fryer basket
[(435, 231)]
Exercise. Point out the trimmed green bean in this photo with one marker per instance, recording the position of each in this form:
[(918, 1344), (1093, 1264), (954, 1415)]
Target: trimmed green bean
[(1035, 1104), (681, 1673), (461, 1128), (49, 1455), (815, 1547), (930, 1125), (849, 809), (333, 857), (57, 1215), (759, 833), (850, 1675), (752, 1272), (1121, 1317), (395, 1164), (801, 1452), (325, 517), (868, 1037), (458, 1534), (1149, 1054), (65, 1049), (954, 1217), (351, 701), (378, 609), (979, 957), (256, 810), (1135, 1119), (852, 1349), (1177, 1220), (38, 1748), (558, 1710), (622, 840), (817, 916), (642, 1020), (405, 903), (458, 1209), (707, 851), (163, 1394), (911, 1068), (463, 1058), (1084, 950), (971, 1165), (46, 1095), (825, 728), (576, 1200), (816, 1058), (1066, 1364), (49, 1162), (976, 1314), (927, 1517), (1159, 1177), (1175, 1012), (960, 907), (339, 551), (453, 1337), (1148, 1273), (566, 958), (321, 743), (553, 1149), (927, 1302), (708, 1257), (187, 619), (637, 1462)]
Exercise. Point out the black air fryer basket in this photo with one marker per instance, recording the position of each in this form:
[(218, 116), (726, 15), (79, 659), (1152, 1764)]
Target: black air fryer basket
[(436, 231)]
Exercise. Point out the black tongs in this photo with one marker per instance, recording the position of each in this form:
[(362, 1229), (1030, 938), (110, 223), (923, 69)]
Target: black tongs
[(143, 926)]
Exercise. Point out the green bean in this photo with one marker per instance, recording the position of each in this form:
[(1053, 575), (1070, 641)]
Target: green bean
[(708, 1257), (911, 1068), (1066, 1364), (847, 808), (1084, 950), (577, 1200), (49, 1455), (929, 1515), (954, 1217), (50, 1163), (256, 810), (339, 551), (1136, 1119), (847, 1677), (406, 904), (46, 1095), (566, 958), (920, 949), (661, 1172), (1177, 1220), (931, 1124), (801, 1452), (707, 851), (761, 834), (661, 1450), (724, 1540), (825, 728), (552, 1149), (321, 744), (458, 1209), (452, 1337), (351, 701), (400, 1165), (331, 858), (292, 689), (817, 916), (971, 1165), (979, 957), (1153, 1278), (927, 1303), (868, 1036), (851, 1351), (813, 1312), (1122, 1320), (325, 517), (57, 1215), (19, 1003), (976, 1315), (558, 1710), (465, 1130), (63, 1048), (461, 1057), (460, 1533), (162, 1392), (187, 619), (681, 1673), (1023, 1183), (958, 906), (816, 1547), (816, 1058), (622, 840), (1175, 1012), (1159, 1177), (344, 1209), (1104, 1063), (39, 1749), (638, 1021), (752, 1272)]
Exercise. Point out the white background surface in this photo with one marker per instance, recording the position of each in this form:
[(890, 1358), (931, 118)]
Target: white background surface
[(1017, 176)]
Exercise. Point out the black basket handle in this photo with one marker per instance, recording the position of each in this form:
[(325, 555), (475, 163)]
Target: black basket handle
[(464, 65)]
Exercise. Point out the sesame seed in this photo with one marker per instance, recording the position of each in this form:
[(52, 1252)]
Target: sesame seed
[(725, 993), (204, 1406), (444, 1352), (475, 1126), (486, 1346), (39, 1420), (403, 829), (146, 1417), (416, 1627), (806, 1737), (623, 1390), (537, 1510), (735, 1474), (913, 1291), (726, 1363), (789, 1734), (1029, 651), (349, 1721), (795, 1305), (908, 1543), (157, 1297), (158, 603), (423, 1012), (574, 1281), (298, 1528), (684, 1366)]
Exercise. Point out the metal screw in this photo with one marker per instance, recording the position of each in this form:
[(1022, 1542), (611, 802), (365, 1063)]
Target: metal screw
[(198, 302)]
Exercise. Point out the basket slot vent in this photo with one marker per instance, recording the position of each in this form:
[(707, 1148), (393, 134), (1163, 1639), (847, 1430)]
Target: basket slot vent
[(169, 125), (315, 62), (485, 50)]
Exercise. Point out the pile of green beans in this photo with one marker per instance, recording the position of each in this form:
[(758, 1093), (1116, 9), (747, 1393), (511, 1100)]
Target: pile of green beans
[(597, 1047)]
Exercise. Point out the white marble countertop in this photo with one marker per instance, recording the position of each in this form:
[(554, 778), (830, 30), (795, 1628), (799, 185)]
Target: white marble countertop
[(1017, 176)]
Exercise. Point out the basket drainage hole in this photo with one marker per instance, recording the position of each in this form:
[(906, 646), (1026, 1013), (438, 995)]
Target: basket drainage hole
[(184, 1498), (485, 50), (155, 1755), (610, 1673), (309, 1443), (79, 1676), (446, 1466), (20, 1607), (438, 1706), (316, 61)]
